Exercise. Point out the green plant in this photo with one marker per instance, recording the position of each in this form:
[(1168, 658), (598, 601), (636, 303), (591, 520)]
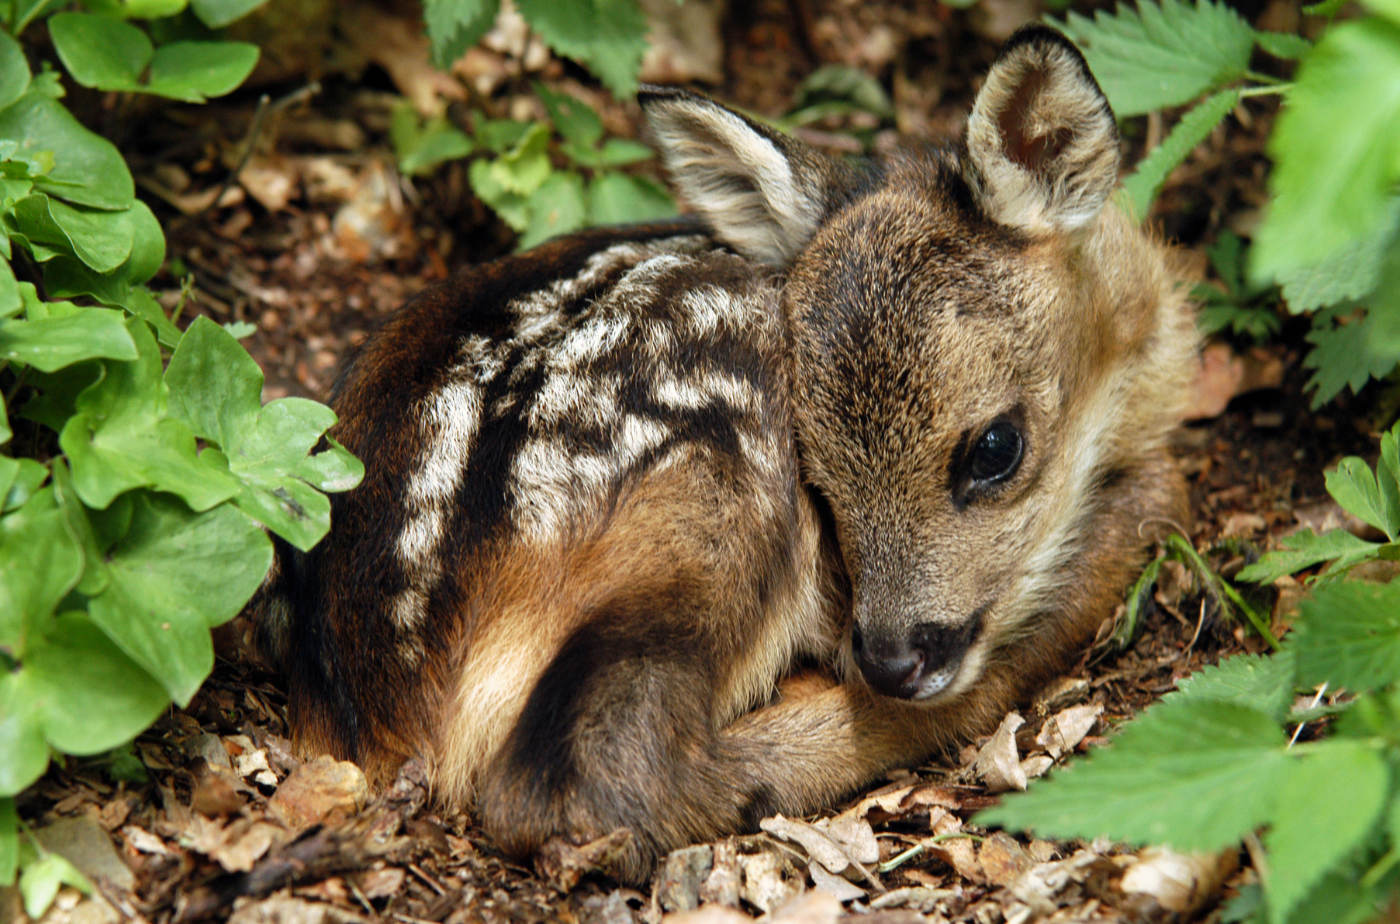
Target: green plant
[(1210, 763), (1329, 235), (134, 492), (1245, 307)]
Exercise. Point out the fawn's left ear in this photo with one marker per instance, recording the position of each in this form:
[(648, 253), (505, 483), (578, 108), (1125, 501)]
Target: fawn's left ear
[(1042, 141)]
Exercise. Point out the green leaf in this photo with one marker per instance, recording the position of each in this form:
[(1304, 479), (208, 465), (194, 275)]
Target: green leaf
[(555, 208), (219, 13), (216, 389), (1349, 636), (87, 169), (1353, 485), (1162, 55), (422, 146), (608, 37), (26, 478), (6, 434), (10, 301), (1351, 354), (101, 239), (507, 183), (14, 80), (835, 89), (23, 753), (1338, 900), (40, 880), (196, 71), (1142, 187), (121, 437), (615, 198), (1336, 163), (103, 52), (1304, 549), (40, 561), (500, 135), (1344, 275), (615, 152), (1327, 802), (172, 576), (456, 25), (1284, 45), (574, 119), (1388, 474), (1195, 774), (1261, 682), (9, 842), (65, 277), (56, 342), (25, 12)]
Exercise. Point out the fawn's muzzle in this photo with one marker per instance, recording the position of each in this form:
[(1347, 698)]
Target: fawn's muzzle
[(916, 663)]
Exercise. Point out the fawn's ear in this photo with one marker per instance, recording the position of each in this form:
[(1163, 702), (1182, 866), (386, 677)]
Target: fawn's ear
[(1042, 142), (762, 193)]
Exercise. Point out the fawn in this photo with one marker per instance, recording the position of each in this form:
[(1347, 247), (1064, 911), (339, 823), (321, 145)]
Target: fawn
[(904, 420)]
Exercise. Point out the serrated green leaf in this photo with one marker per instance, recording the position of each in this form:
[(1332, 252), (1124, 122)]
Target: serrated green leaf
[(1195, 774), (836, 89), (39, 882), (196, 71), (1353, 485), (121, 436), (1304, 549), (422, 146), (1336, 163), (608, 37), (500, 135), (1327, 802), (56, 342), (171, 577), (9, 842), (555, 208), (1348, 635), (219, 13), (216, 389), (1142, 187), (1262, 682), (619, 152), (14, 73), (1388, 474), (615, 198), (456, 25), (1351, 354), (103, 52), (1284, 45), (1345, 275), (1162, 55), (40, 561), (575, 120), (87, 169)]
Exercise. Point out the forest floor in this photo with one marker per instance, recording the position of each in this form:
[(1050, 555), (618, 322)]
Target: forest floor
[(320, 238)]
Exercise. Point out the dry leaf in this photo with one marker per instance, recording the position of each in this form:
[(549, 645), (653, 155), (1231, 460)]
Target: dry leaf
[(562, 864), (854, 835), (1002, 858), (1063, 731), (765, 885), (818, 844), (678, 888), (839, 887), (809, 908), (998, 764), (722, 885), (1178, 882), (316, 790)]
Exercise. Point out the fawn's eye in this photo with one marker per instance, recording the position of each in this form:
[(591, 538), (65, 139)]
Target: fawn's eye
[(997, 454)]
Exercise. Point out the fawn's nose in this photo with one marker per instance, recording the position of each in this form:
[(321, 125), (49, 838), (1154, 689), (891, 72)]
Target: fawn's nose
[(914, 663)]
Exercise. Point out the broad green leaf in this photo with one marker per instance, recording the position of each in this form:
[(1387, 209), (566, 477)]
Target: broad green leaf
[(14, 80), (56, 342), (333, 469), (1345, 275), (1353, 485), (10, 301), (1327, 801), (1387, 8), (216, 389), (1349, 636), (615, 152), (1284, 45), (115, 519), (555, 208), (56, 394), (1162, 55), (1262, 682), (1351, 354), (25, 12), (507, 183), (151, 9), (1336, 162), (500, 135), (28, 476), (121, 437), (87, 169), (102, 239), (196, 71), (65, 277), (422, 146), (574, 119), (23, 753), (1142, 187), (172, 576), (147, 247), (608, 37), (40, 880), (1304, 549), (103, 52), (615, 198), (40, 562), (9, 842), (1339, 900), (1388, 474), (1195, 774), (6, 434), (456, 25), (219, 13)]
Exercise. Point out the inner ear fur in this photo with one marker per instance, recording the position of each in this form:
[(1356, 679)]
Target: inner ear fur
[(1042, 141), (762, 193)]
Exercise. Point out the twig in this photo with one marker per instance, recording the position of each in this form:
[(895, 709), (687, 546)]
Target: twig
[(1321, 691)]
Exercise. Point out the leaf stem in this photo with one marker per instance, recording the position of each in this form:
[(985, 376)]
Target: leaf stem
[(900, 859), (1265, 91), (1266, 78), (1381, 867)]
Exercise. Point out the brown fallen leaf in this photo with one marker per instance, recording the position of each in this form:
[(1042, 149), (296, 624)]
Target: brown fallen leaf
[(809, 908), (1223, 374), (1002, 858), (1178, 882), (838, 887), (282, 908), (767, 883), (678, 886), (722, 885), (818, 843), (1063, 731), (317, 790), (998, 764), (562, 864)]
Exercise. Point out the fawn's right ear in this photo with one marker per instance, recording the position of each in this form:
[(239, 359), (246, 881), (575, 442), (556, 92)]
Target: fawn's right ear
[(763, 193)]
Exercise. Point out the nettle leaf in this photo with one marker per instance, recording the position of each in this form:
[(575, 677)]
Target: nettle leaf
[(556, 208), (1351, 354), (616, 198), (121, 436), (422, 145), (216, 390), (575, 119), (1142, 187), (40, 562), (1304, 549), (1344, 275), (1353, 485), (1284, 45), (1328, 801), (171, 577), (1162, 55), (14, 79), (88, 169), (1195, 774), (608, 37), (507, 183), (1349, 636), (219, 13), (456, 25), (1335, 162), (1262, 682)]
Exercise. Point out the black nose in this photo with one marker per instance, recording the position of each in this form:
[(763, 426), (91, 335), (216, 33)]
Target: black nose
[(905, 665)]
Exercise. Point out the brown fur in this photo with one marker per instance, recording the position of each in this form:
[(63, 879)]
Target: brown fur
[(622, 486)]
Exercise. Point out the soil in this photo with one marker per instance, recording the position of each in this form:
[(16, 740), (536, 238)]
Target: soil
[(320, 239)]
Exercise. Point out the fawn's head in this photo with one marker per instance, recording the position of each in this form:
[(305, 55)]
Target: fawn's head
[(980, 350)]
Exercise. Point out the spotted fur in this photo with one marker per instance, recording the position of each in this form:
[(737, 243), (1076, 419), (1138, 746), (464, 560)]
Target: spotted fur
[(619, 487)]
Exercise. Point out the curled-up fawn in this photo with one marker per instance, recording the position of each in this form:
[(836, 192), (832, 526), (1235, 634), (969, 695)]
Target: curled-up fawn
[(904, 418)]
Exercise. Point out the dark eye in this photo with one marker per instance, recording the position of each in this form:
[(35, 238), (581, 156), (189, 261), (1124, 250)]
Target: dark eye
[(996, 455)]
